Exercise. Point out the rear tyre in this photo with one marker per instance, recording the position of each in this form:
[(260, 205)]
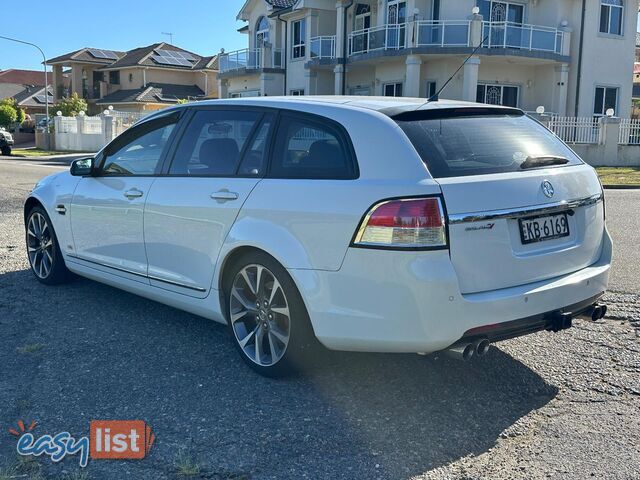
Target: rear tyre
[(6, 150), (43, 250), (266, 316)]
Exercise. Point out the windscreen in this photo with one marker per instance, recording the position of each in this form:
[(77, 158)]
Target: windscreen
[(463, 145)]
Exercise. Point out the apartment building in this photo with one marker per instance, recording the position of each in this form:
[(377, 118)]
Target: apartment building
[(571, 56), (141, 79)]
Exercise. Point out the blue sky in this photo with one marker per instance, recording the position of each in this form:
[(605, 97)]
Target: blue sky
[(200, 26)]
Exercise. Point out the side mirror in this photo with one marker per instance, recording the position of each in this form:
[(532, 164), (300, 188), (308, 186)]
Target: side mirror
[(82, 167)]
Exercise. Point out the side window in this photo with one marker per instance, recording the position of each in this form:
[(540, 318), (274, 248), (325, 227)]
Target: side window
[(139, 151), (254, 161), (213, 142), (310, 149)]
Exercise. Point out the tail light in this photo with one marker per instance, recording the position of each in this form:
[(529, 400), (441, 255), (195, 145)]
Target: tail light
[(404, 223)]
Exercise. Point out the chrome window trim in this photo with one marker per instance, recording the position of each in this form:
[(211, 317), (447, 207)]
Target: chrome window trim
[(548, 208)]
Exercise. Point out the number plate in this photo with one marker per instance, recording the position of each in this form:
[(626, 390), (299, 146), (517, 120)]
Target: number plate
[(539, 229)]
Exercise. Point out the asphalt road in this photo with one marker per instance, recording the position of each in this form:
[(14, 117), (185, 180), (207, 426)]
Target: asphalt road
[(562, 406)]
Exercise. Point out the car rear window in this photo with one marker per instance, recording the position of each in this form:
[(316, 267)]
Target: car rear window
[(463, 144)]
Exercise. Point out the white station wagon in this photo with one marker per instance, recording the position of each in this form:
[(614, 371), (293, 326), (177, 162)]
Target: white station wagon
[(369, 224)]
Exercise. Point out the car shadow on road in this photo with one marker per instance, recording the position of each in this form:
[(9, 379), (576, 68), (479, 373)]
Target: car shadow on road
[(108, 354)]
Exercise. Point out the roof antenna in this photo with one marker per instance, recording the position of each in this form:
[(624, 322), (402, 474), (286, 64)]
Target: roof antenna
[(170, 35), (435, 96)]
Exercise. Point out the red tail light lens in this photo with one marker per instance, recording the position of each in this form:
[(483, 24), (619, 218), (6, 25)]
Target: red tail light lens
[(408, 223)]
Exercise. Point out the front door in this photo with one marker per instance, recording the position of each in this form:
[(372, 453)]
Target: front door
[(396, 23), (106, 211), (190, 210)]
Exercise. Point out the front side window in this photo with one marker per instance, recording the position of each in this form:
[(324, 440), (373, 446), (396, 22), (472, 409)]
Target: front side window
[(611, 13), (392, 90), (498, 95), (139, 150), (477, 141), (213, 142), (298, 40), (605, 98), (262, 32), (307, 148)]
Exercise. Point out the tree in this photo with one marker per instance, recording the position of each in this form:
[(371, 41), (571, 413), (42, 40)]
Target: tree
[(70, 107), (8, 115), (12, 103)]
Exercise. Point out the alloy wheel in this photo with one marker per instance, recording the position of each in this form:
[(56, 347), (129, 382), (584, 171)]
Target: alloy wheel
[(259, 314), (40, 245)]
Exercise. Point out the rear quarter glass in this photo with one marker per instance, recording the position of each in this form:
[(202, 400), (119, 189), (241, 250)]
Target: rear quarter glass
[(478, 142)]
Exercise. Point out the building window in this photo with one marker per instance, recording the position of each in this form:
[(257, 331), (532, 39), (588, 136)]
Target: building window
[(605, 98), (114, 77), (298, 38), (297, 93), (392, 89), (262, 32), (611, 12), (498, 95), (431, 89)]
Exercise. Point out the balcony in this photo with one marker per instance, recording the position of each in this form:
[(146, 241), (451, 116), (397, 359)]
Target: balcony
[(457, 34), (522, 37), (251, 59), (323, 47)]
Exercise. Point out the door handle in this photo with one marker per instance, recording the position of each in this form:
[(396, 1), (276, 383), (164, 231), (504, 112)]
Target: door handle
[(133, 193), (224, 195)]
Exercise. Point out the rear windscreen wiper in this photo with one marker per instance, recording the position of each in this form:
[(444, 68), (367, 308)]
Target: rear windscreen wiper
[(543, 161)]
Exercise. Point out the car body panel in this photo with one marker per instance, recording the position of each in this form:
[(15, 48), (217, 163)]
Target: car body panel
[(184, 231), (107, 226)]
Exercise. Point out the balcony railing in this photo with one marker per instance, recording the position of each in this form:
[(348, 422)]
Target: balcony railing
[(456, 33), (522, 36), (251, 59), (385, 37), (323, 47), (448, 33)]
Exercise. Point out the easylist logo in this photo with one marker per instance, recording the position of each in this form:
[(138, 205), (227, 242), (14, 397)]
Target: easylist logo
[(107, 440)]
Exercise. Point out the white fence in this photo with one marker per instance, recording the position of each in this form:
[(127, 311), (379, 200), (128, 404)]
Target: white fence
[(90, 134), (576, 129), (629, 131)]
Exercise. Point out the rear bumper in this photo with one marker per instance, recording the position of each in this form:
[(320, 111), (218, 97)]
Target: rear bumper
[(390, 301)]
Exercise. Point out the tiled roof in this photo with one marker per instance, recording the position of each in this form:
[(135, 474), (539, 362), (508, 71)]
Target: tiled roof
[(24, 77), (83, 55), (154, 93), (143, 57)]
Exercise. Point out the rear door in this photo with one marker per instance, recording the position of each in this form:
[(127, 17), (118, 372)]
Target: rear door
[(522, 207), (217, 162)]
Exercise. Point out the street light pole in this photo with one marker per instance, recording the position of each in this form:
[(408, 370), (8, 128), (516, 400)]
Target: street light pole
[(46, 81)]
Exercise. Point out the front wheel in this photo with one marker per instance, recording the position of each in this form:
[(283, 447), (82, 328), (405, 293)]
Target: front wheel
[(43, 250), (266, 315), (6, 150)]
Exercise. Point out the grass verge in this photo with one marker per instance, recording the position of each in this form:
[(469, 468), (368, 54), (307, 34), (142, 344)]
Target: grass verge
[(619, 175)]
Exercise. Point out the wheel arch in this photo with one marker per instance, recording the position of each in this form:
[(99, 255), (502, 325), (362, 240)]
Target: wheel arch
[(227, 260), (30, 203)]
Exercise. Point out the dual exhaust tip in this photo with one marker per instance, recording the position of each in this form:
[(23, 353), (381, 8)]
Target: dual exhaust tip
[(467, 350), (598, 312)]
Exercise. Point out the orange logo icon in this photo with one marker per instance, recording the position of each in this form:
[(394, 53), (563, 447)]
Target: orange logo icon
[(120, 439)]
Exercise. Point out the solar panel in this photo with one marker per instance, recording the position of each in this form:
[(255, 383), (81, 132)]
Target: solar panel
[(41, 99), (106, 54), (176, 54), (164, 60)]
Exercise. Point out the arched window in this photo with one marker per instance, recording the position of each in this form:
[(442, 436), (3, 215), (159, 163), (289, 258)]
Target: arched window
[(262, 31), (611, 14)]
